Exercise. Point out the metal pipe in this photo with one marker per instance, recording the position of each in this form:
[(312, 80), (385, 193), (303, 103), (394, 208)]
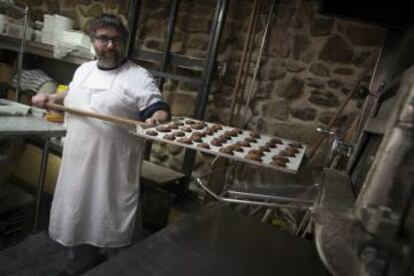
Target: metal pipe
[(249, 202), (270, 197), (259, 57), (250, 31), (209, 68), (341, 108), (41, 183), (133, 21), (245, 77), (210, 65), (21, 53), (382, 75), (170, 35)]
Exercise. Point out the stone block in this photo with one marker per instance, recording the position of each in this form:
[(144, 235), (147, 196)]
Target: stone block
[(84, 2), (327, 116), (264, 89), (303, 113), (300, 45), (364, 35), (315, 82), (293, 89), (335, 83), (324, 98), (305, 133), (360, 58), (194, 24), (294, 66), (279, 43), (337, 49), (94, 10), (344, 71), (153, 44), (182, 104), (197, 42), (321, 26), (275, 109), (319, 69)]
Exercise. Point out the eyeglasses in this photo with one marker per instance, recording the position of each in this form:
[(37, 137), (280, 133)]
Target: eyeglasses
[(104, 40)]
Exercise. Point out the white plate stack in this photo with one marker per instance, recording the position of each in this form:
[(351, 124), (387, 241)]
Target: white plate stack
[(61, 24), (53, 28), (76, 38), (47, 31)]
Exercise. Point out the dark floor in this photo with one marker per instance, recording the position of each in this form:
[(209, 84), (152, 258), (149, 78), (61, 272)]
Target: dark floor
[(35, 255)]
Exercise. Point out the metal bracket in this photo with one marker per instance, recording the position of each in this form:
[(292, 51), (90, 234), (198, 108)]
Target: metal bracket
[(338, 147), (380, 220)]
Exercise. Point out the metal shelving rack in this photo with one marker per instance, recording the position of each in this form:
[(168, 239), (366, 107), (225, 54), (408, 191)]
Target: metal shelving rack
[(208, 66), (25, 12)]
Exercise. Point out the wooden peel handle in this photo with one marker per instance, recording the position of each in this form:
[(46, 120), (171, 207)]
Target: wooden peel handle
[(79, 112)]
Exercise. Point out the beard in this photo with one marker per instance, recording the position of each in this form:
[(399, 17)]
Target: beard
[(109, 58)]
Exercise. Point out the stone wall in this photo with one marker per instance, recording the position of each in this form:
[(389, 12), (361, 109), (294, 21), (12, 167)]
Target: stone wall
[(310, 62), (78, 10)]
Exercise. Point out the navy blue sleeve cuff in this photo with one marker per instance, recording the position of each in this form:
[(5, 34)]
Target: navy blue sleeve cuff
[(149, 111)]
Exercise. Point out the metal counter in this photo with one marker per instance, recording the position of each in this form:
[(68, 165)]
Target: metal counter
[(216, 241), (24, 126)]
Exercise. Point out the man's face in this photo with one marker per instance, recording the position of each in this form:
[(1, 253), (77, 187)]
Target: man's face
[(109, 47)]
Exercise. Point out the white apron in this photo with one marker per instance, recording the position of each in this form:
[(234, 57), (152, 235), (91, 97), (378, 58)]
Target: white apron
[(96, 196)]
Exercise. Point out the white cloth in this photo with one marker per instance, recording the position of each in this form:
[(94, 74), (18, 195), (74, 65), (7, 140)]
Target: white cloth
[(96, 195)]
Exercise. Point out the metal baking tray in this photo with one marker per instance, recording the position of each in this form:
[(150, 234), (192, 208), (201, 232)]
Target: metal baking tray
[(291, 166)]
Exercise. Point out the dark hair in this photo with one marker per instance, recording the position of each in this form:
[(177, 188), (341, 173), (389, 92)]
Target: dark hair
[(107, 20)]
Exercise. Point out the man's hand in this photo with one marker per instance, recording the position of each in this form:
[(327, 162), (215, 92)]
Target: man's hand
[(159, 116), (150, 122), (40, 100)]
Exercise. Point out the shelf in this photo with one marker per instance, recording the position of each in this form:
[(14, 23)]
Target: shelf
[(44, 50)]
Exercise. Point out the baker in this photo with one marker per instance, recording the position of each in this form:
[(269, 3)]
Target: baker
[(95, 202)]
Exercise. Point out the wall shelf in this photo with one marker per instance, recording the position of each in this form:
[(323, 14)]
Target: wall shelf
[(44, 50)]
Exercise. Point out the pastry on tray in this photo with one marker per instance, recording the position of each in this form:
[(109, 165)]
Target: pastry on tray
[(244, 144), (190, 122), (236, 147), (151, 133), (264, 148), (196, 138), (179, 133), (276, 140), (169, 136), (253, 156), (291, 152), (296, 145), (198, 126), (254, 135), (281, 158), (184, 141), (173, 125), (186, 129), (203, 145), (256, 151), (163, 129), (226, 150), (216, 142), (250, 140), (278, 163)]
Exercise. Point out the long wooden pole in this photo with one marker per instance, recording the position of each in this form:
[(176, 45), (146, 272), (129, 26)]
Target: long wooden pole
[(84, 113)]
